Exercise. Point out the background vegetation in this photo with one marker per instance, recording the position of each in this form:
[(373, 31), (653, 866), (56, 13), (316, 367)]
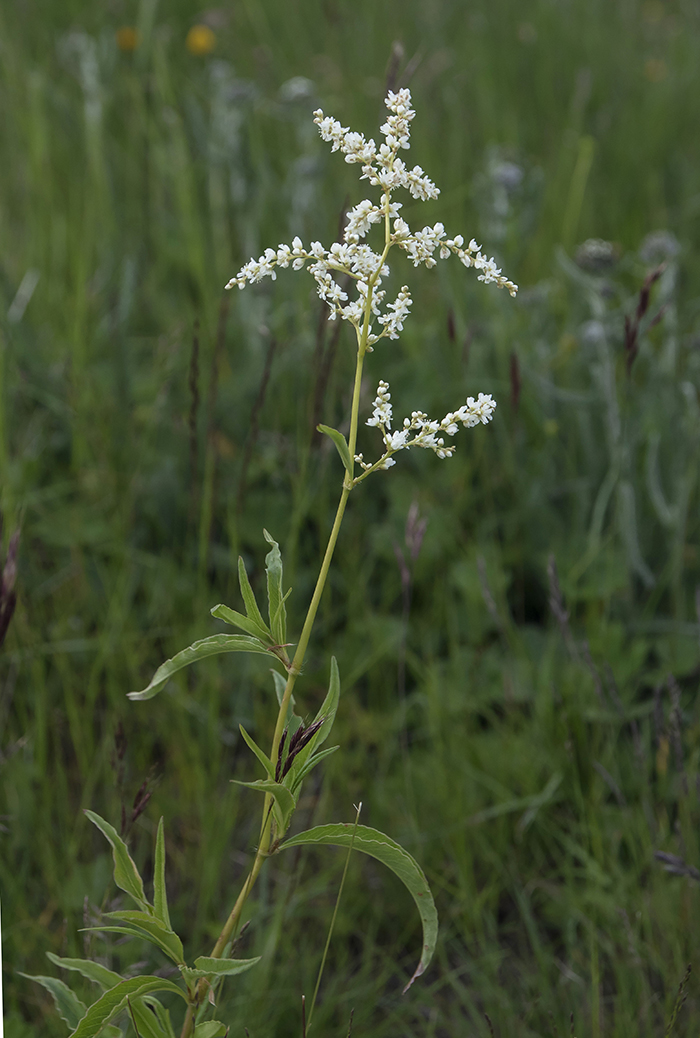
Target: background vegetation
[(536, 763)]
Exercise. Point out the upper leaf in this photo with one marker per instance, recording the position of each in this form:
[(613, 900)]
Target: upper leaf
[(92, 970), (230, 616), (251, 605), (284, 802), (211, 1029), (165, 938), (160, 897), (212, 646), (68, 1005), (262, 757), (327, 712), (115, 1000), (275, 595), (377, 845), (211, 969), (341, 445), (126, 875), (147, 1022)]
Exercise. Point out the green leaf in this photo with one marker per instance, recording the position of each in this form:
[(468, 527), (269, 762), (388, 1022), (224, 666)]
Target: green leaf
[(401, 863), (161, 1013), (284, 805), (311, 764), (275, 597), (92, 970), (211, 1029), (264, 760), (292, 720), (158, 934), (132, 931), (146, 1020), (230, 616), (212, 646), (160, 897), (251, 606), (328, 711), (126, 875), (224, 967), (114, 1002), (341, 444), (212, 969), (68, 1005)]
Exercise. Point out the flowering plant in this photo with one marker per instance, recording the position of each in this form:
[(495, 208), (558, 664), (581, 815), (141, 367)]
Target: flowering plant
[(296, 745)]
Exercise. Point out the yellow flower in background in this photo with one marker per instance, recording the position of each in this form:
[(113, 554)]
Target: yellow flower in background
[(127, 38), (200, 40)]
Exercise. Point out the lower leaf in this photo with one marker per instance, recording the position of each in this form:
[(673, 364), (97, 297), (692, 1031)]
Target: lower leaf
[(401, 863)]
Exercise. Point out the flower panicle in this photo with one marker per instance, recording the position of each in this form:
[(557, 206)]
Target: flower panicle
[(421, 431), (352, 259)]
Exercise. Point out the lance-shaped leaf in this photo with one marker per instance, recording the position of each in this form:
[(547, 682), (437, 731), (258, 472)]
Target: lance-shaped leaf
[(68, 1005), (251, 606), (310, 764), (160, 897), (292, 720), (212, 646), (162, 1014), (326, 715), (401, 863), (275, 595), (211, 1029), (262, 757), (114, 1002), (145, 1019), (284, 802), (230, 616), (341, 444), (92, 970), (126, 875), (153, 929), (212, 969)]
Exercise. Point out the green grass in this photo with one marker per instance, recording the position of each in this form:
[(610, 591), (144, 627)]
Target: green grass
[(533, 793)]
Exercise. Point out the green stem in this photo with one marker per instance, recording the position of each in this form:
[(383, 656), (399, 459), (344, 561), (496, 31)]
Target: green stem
[(296, 665)]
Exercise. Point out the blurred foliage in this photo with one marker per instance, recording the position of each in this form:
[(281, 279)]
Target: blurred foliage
[(534, 759)]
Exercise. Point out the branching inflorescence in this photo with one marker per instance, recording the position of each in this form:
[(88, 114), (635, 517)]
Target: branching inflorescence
[(354, 259)]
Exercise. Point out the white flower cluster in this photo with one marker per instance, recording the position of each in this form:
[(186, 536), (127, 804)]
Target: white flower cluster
[(354, 261), (421, 431)]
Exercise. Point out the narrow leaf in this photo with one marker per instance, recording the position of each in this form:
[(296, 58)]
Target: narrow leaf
[(92, 970), (212, 646), (211, 1029), (275, 597), (251, 606), (114, 1002), (68, 1005), (161, 1013), (230, 616), (214, 968), (341, 444), (164, 937), (328, 711), (284, 800), (401, 863), (132, 931), (264, 760), (160, 897), (126, 875), (292, 720), (311, 764), (146, 1020)]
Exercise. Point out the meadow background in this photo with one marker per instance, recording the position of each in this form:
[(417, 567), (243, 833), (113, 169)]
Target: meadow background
[(529, 729)]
